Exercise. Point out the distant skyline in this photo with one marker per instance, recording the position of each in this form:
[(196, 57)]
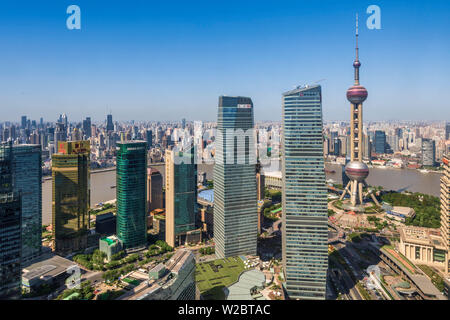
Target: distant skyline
[(155, 60)]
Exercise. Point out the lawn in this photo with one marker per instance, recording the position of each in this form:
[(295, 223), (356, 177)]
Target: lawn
[(212, 276)]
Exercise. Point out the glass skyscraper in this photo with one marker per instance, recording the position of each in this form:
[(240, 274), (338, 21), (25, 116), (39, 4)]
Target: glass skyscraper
[(181, 195), (10, 228), (380, 142), (71, 196), (304, 226), (27, 168), (235, 204), (131, 177)]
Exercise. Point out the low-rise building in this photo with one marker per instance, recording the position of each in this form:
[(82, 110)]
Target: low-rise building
[(273, 180), (110, 246), (173, 281), (48, 269), (423, 246)]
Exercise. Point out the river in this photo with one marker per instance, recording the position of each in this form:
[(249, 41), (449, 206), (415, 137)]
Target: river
[(389, 178)]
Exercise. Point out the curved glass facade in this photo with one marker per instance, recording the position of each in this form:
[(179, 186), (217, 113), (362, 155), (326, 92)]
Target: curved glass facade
[(131, 193)]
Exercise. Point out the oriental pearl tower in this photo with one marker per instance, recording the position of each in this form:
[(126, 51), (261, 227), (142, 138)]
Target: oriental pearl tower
[(356, 170)]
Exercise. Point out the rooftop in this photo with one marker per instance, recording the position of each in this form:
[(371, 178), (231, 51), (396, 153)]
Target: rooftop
[(421, 235)]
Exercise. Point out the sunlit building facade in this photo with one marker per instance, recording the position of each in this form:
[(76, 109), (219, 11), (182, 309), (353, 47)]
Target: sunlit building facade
[(304, 226), (71, 196), (181, 196), (235, 204), (131, 178)]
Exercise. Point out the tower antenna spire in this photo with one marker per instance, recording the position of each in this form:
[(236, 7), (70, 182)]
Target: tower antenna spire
[(357, 64), (357, 33)]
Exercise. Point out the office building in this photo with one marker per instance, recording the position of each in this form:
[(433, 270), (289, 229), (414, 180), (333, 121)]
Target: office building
[(149, 138), (181, 196), (105, 224), (445, 207), (109, 123), (10, 228), (71, 196), (304, 225), (131, 176), (428, 152), (154, 190), (87, 131), (380, 142), (235, 204), (27, 172), (174, 280)]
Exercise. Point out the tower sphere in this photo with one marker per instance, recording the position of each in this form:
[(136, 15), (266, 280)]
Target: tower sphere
[(357, 170), (357, 94)]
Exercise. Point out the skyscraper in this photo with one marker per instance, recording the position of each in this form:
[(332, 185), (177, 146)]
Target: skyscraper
[(109, 123), (23, 123), (131, 193), (304, 226), (87, 127), (10, 228), (149, 138), (445, 207), (235, 204), (447, 131), (428, 152), (71, 196), (357, 170), (154, 190), (27, 173), (380, 142), (181, 195)]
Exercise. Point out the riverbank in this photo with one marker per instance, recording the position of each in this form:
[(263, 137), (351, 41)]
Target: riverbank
[(45, 178)]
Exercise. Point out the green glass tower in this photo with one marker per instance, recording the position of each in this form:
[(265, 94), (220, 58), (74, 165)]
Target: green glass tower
[(235, 204), (304, 226), (131, 193), (27, 168), (71, 196), (181, 195)]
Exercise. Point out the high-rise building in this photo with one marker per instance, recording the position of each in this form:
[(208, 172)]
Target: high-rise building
[(154, 190), (447, 131), (109, 123), (181, 195), (71, 196), (304, 226), (10, 228), (87, 127), (445, 207), (27, 173), (131, 176), (367, 148), (23, 124), (149, 138), (357, 170), (428, 152), (380, 142), (235, 204), (260, 182)]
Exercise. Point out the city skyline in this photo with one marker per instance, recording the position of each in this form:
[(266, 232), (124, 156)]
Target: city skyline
[(204, 202), (52, 69)]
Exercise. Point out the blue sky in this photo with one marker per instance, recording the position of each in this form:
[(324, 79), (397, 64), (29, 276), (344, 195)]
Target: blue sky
[(165, 60)]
